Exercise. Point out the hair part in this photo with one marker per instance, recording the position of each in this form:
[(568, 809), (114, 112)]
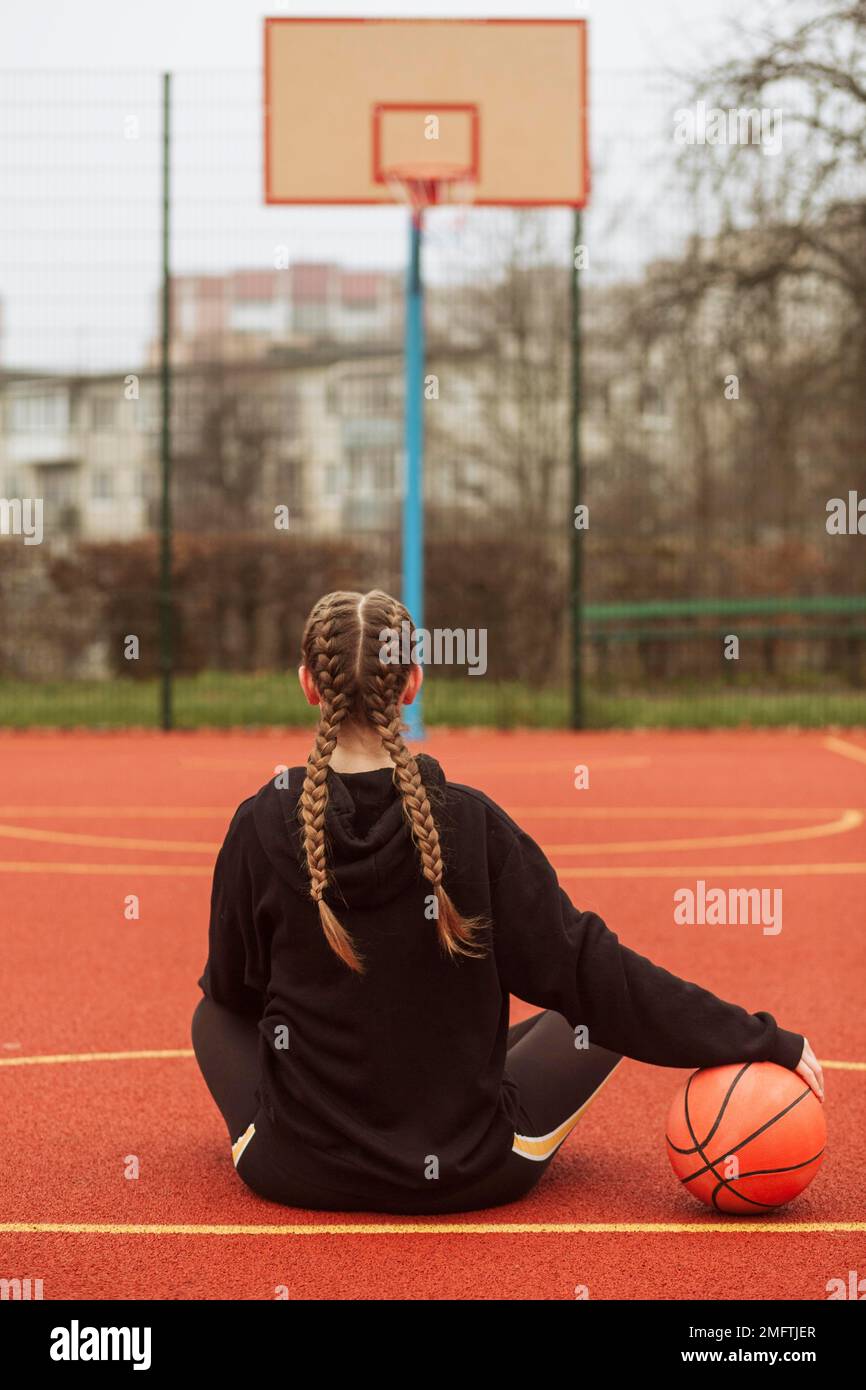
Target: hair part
[(340, 647)]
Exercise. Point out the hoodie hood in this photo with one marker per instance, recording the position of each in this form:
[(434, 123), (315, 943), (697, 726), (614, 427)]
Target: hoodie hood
[(370, 853)]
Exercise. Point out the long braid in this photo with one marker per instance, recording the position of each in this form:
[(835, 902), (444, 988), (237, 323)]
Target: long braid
[(381, 696), (342, 650), (335, 688)]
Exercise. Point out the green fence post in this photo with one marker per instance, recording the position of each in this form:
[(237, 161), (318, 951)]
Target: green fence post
[(166, 638), (576, 712)]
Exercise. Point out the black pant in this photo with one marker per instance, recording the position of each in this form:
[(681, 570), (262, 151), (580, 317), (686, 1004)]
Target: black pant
[(555, 1080)]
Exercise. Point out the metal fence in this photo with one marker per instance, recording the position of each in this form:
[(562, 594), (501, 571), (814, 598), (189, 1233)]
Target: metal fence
[(720, 411)]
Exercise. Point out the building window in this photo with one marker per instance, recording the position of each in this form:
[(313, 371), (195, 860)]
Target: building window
[(39, 411), (372, 472), (103, 485), (149, 409), (384, 471), (365, 394), (333, 479), (651, 399), (104, 413)]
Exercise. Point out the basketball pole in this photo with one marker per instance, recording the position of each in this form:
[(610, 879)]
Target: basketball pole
[(166, 635), (413, 495), (577, 712)]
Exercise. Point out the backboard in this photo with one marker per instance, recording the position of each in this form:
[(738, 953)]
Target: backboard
[(352, 104)]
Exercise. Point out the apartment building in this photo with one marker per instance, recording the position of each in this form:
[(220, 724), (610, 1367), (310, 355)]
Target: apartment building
[(319, 432), (83, 445), (246, 314)]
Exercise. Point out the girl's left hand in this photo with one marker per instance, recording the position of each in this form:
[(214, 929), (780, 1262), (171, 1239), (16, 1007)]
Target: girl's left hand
[(810, 1069)]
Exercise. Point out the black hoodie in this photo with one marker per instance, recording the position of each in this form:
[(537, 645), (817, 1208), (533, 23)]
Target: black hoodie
[(366, 1077)]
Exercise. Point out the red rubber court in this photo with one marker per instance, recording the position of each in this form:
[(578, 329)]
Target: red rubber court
[(98, 1083)]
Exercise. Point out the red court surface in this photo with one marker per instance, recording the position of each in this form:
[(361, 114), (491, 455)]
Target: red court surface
[(95, 1061)]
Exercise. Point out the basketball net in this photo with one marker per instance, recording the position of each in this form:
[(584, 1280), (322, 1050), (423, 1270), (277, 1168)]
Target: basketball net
[(421, 186)]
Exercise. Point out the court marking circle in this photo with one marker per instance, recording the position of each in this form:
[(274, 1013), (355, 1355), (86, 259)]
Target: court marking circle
[(845, 821)]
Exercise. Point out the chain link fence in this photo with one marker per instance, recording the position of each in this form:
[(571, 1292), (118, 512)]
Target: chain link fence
[(723, 380)]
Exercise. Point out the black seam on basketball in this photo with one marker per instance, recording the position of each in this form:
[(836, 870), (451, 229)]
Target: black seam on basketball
[(743, 1142), (752, 1201), (791, 1168), (726, 1211), (718, 1118), (759, 1173), (710, 1163), (722, 1181)]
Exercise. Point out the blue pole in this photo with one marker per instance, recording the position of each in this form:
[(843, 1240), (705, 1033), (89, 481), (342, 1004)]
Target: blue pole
[(413, 495)]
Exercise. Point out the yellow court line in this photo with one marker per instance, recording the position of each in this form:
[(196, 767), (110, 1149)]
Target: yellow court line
[(44, 866), (708, 870), (461, 768), (109, 812), (844, 748), (682, 812), (847, 750), (69, 837), (748, 1226), (849, 820), (550, 764), (255, 766), (47, 1058)]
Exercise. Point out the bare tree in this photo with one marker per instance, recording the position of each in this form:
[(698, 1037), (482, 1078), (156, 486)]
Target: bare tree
[(226, 429)]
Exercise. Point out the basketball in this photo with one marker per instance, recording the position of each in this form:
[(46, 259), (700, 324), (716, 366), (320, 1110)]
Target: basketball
[(746, 1138)]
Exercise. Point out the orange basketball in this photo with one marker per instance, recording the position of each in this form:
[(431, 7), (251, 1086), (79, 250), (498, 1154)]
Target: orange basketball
[(746, 1138)]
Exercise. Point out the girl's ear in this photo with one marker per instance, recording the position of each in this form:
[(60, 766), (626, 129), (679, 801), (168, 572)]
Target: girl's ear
[(308, 685), (414, 681)]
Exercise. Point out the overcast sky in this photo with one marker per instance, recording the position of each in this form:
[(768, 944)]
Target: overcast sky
[(79, 200), (188, 34)]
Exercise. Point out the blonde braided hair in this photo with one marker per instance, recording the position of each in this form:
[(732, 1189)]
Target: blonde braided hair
[(341, 648)]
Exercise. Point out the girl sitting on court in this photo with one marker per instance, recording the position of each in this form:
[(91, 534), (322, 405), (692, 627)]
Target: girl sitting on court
[(354, 1027)]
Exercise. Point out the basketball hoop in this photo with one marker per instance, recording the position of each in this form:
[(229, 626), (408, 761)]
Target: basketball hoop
[(339, 130), (421, 186), (403, 137)]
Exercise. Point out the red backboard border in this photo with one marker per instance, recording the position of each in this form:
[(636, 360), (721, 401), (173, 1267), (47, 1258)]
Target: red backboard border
[(578, 25)]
